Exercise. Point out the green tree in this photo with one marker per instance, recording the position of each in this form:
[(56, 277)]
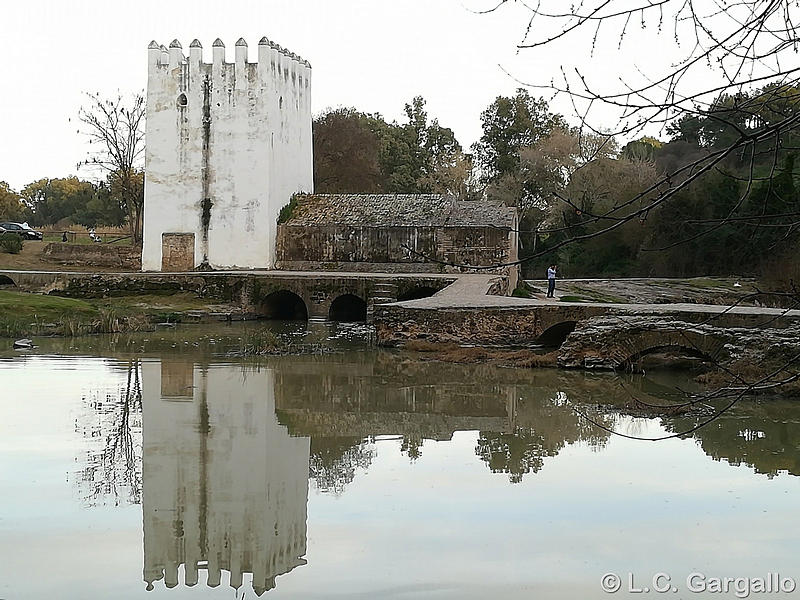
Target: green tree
[(509, 125), (598, 187), (644, 148), (346, 151), (11, 206), (419, 156), (355, 152), (50, 200), (103, 208)]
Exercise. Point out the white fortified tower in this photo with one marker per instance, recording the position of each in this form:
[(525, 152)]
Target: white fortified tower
[(227, 146)]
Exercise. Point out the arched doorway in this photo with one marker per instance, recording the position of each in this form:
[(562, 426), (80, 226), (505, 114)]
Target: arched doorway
[(284, 306), (6, 281), (348, 308)]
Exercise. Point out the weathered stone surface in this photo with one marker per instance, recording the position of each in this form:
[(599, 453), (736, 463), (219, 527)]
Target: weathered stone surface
[(250, 290), (397, 233), (399, 210), (397, 324), (417, 248), (227, 146), (361, 267), (99, 255), (616, 341), (595, 335)]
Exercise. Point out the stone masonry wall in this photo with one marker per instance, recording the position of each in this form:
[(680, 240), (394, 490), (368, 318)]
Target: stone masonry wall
[(373, 248), (127, 258)]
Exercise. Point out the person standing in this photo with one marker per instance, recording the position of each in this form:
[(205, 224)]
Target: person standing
[(551, 281)]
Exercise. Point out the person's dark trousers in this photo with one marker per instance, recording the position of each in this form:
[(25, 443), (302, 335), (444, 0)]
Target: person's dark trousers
[(551, 288)]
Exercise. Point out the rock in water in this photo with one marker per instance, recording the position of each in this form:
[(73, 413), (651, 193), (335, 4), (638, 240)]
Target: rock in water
[(25, 343)]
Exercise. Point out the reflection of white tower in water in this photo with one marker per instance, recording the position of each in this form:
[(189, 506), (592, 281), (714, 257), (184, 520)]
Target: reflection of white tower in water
[(224, 485)]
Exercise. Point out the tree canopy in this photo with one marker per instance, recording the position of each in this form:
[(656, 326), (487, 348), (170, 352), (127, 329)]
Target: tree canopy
[(356, 152), (11, 206)]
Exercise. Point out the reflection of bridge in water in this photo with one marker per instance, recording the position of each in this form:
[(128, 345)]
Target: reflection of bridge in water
[(228, 450)]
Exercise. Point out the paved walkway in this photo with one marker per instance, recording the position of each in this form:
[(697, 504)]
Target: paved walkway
[(470, 291)]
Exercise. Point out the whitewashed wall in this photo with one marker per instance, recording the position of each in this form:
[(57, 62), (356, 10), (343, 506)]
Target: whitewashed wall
[(254, 152)]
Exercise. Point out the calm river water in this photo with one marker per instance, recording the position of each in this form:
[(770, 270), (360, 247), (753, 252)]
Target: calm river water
[(161, 465)]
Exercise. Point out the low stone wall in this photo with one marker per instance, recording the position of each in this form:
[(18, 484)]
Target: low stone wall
[(597, 336), (396, 325), (128, 258), (248, 290)]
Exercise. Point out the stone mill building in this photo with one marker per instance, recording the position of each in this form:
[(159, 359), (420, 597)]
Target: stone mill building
[(395, 233)]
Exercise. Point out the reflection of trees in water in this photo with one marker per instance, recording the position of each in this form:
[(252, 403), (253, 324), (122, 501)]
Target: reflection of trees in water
[(762, 434), (541, 430), (515, 453), (114, 456), (411, 446), (334, 461)]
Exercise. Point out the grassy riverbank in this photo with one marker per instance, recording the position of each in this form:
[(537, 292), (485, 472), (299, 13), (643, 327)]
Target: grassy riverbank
[(25, 314)]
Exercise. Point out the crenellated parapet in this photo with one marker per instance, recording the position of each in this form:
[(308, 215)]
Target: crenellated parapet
[(273, 61)]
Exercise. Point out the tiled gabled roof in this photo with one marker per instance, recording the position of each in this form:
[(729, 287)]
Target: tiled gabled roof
[(398, 210)]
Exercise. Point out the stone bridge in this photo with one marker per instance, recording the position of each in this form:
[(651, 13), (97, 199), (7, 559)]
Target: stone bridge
[(462, 309), (590, 335), (270, 294)]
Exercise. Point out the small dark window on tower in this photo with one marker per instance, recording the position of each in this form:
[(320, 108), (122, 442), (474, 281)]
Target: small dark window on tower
[(182, 101), (280, 102)]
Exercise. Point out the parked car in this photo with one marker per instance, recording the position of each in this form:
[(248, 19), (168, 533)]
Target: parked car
[(22, 230)]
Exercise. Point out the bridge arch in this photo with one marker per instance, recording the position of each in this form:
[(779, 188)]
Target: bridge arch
[(6, 280), (284, 305), (348, 308), (632, 363), (557, 334), (627, 352)]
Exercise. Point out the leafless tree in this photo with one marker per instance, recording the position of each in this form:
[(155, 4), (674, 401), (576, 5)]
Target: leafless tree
[(114, 458), (115, 128)]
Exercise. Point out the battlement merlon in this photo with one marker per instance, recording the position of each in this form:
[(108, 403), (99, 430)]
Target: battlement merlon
[(271, 57)]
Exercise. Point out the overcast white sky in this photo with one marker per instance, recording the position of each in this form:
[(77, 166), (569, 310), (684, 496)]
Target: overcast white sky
[(372, 54)]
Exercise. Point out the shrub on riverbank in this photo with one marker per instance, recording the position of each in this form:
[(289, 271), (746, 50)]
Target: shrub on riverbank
[(11, 244)]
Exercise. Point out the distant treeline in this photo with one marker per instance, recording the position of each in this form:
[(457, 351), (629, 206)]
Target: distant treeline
[(67, 200), (741, 217)]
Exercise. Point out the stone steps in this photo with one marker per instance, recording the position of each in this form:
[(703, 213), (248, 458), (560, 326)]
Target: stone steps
[(382, 293)]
